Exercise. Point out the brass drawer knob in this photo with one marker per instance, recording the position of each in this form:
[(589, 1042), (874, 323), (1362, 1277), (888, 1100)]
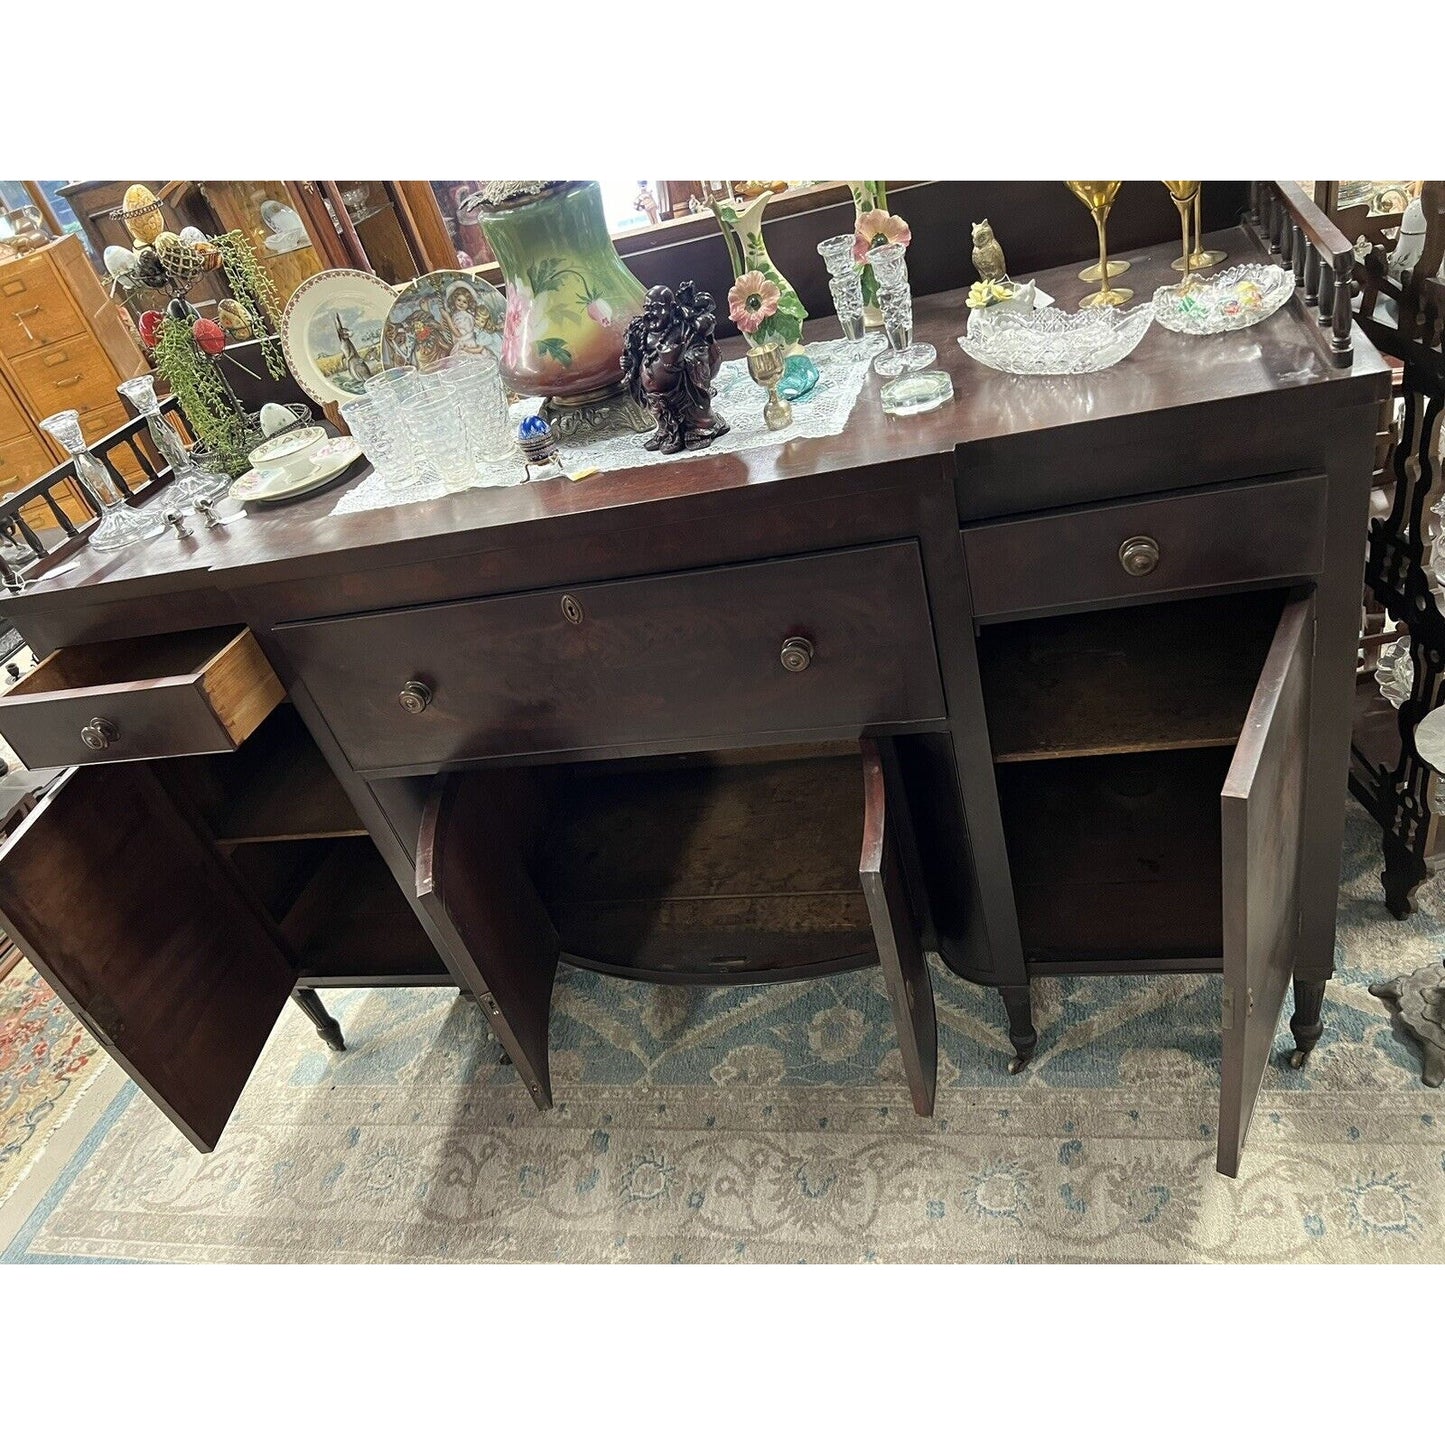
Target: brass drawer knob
[(797, 653), (414, 697), (99, 733), (1139, 556)]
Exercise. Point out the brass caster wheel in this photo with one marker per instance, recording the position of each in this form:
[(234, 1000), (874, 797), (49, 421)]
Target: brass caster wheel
[(1297, 1059)]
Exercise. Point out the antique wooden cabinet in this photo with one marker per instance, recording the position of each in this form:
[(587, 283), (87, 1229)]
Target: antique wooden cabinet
[(1055, 679)]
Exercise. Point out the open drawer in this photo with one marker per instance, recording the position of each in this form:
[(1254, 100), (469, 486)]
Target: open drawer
[(145, 697), (1151, 768), (696, 869)]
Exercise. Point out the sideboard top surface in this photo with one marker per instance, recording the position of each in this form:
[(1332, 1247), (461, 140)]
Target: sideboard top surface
[(1284, 361)]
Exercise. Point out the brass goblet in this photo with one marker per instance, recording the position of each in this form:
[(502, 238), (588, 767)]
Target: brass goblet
[(1199, 258), (765, 366), (1098, 196), (1185, 193)]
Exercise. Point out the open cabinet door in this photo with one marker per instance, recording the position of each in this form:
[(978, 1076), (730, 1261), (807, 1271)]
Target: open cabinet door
[(135, 921), (895, 925), (471, 878), (1262, 808)]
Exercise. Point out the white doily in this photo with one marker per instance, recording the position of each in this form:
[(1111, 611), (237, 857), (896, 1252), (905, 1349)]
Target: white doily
[(842, 370)]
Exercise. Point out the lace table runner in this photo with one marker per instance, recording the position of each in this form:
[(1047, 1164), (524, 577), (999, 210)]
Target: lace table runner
[(842, 370)]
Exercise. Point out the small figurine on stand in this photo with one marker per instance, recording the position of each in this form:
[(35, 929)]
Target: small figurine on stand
[(646, 202), (987, 253), (669, 358)]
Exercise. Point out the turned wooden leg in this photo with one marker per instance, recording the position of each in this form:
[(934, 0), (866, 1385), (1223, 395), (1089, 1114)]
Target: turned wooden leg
[(1304, 1024), (1021, 1032), (327, 1029), (1403, 874)]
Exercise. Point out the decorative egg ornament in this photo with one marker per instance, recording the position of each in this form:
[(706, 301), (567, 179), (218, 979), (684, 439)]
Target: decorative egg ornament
[(119, 261), (181, 310), (192, 235), (183, 262), (149, 327), (276, 418), (209, 337), (233, 318), (141, 212)]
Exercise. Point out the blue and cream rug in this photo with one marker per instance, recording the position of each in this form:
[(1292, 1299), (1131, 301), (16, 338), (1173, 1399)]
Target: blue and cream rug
[(773, 1125)]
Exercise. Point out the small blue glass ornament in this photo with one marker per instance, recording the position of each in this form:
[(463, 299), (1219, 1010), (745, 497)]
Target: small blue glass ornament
[(539, 446), (800, 376)]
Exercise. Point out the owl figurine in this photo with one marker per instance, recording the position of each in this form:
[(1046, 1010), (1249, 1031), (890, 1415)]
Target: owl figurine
[(987, 253)]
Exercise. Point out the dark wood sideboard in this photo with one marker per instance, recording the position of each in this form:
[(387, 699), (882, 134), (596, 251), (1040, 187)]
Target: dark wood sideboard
[(1056, 679)]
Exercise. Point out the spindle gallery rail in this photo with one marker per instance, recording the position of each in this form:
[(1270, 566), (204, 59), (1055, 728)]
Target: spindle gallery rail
[(1309, 243), (133, 438)]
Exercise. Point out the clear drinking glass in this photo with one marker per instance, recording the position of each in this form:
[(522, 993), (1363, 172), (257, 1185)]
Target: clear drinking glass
[(391, 392), (475, 382), (895, 300), (436, 424), (119, 524), (189, 483), (374, 434)]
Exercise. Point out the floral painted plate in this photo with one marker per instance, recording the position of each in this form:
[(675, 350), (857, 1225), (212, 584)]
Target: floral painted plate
[(1230, 301), (331, 333), (439, 313)]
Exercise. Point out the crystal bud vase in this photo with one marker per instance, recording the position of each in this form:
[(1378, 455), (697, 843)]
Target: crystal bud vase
[(189, 482), (119, 524)]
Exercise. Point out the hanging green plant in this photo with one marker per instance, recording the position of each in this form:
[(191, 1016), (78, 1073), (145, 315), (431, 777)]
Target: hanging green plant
[(251, 286), (210, 409)]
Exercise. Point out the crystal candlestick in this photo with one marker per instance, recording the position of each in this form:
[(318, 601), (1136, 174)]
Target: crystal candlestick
[(189, 482), (119, 524), (895, 300), (845, 284)]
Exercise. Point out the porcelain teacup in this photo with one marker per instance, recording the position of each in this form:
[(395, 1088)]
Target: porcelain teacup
[(289, 454)]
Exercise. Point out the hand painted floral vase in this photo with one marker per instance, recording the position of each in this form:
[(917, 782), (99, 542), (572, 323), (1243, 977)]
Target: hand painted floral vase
[(569, 297), (742, 228)]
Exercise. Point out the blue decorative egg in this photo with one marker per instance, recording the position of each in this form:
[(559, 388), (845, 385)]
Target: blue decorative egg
[(533, 428)]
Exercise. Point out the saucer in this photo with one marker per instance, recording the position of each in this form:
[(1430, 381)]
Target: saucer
[(328, 462)]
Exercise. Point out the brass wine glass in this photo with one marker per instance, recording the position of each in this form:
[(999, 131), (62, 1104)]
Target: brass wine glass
[(1199, 258), (1098, 196), (1185, 193), (765, 366)]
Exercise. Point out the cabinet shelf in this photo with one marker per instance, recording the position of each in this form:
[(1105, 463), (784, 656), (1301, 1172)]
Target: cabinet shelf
[(351, 927), (1118, 858), (708, 874), (1130, 680)]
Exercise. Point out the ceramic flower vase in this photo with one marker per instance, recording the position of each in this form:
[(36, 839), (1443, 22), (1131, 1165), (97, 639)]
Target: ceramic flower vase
[(742, 228)]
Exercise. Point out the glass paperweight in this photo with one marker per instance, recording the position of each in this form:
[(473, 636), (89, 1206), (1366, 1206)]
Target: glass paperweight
[(119, 524), (895, 300), (1052, 342), (190, 483), (916, 391), (1230, 301)]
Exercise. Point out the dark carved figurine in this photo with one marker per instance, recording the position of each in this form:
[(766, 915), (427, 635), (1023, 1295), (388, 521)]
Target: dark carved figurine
[(669, 359)]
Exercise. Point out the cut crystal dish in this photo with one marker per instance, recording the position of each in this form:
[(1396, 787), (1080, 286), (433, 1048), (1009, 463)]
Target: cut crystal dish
[(1051, 342), (1228, 302)]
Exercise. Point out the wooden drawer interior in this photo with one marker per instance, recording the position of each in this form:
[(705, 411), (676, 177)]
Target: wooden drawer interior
[(1112, 733)]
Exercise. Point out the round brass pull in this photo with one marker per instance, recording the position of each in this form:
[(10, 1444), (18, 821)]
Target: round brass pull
[(414, 697), (797, 653), (1139, 556), (99, 733)]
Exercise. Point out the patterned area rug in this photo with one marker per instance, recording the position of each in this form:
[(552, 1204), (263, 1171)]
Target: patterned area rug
[(773, 1125), (44, 1056)]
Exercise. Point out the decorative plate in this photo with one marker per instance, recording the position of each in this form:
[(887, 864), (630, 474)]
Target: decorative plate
[(1052, 342), (439, 313), (331, 333), (328, 462), (1228, 302)]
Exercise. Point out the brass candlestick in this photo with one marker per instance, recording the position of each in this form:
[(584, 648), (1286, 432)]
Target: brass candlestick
[(765, 366), (1185, 193), (1098, 196), (1199, 258)]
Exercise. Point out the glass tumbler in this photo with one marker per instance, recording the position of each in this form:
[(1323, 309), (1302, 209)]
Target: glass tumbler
[(476, 385), (376, 436), (436, 424), (391, 392)]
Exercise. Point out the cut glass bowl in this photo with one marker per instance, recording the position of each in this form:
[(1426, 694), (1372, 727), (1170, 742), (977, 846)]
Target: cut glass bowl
[(1234, 299), (1051, 342)]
